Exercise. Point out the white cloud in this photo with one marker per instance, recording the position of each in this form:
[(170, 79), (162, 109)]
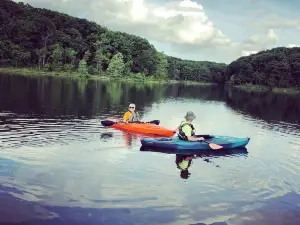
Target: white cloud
[(176, 22), (272, 35), (258, 43), (190, 4), (183, 24), (246, 53), (292, 46)]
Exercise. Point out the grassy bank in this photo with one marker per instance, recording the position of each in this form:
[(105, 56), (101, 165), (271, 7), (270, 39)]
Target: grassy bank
[(261, 88), (103, 76)]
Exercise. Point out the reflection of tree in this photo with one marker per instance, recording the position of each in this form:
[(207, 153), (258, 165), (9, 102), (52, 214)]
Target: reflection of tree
[(80, 97), (45, 95), (267, 106), (114, 91), (81, 87)]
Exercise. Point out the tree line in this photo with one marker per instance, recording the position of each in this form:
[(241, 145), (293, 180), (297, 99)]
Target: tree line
[(277, 67), (51, 41)]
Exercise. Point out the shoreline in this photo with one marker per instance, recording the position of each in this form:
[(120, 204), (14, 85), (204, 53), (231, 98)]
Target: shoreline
[(264, 89), (104, 76)]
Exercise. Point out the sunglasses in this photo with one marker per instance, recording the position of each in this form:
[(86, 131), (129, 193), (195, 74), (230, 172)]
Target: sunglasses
[(131, 107)]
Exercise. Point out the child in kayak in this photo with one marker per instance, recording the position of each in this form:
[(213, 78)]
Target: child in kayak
[(186, 130), (131, 115)]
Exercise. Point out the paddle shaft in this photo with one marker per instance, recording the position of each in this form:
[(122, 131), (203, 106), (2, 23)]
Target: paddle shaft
[(110, 122)]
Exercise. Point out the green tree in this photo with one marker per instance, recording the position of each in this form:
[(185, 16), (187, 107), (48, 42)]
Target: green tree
[(87, 56), (57, 55), (116, 65), (19, 55), (162, 66), (82, 68)]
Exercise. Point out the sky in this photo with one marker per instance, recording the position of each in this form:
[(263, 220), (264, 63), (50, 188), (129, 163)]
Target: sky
[(211, 30)]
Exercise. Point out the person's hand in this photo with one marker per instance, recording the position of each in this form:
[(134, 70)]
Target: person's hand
[(201, 139)]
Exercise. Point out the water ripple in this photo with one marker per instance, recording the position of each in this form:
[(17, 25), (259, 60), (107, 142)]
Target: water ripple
[(18, 132)]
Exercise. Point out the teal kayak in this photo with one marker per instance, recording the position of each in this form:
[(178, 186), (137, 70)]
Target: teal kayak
[(226, 142)]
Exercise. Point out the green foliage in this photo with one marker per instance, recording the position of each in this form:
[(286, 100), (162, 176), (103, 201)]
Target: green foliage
[(116, 66), (277, 67), (82, 68), (161, 66), (49, 40), (57, 55), (34, 37)]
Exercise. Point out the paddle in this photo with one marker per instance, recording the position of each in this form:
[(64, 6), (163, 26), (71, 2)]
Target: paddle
[(110, 123), (211, 145)]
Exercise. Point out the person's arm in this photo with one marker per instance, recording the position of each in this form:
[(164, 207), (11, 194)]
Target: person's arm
[(188, 132), (138, 116), (191, 138), (126, 117)]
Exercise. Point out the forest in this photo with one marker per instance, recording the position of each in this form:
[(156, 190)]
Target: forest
[(52, 41)]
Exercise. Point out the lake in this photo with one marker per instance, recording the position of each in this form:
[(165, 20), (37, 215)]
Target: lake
[(59, 165)]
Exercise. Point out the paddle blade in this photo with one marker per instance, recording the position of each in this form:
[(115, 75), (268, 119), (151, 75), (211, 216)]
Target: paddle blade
[(215, 146), (155, 122), (107, 123)]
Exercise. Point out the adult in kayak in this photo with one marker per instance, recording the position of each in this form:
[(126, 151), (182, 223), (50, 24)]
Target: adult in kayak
[(131, 115), (186, 130)]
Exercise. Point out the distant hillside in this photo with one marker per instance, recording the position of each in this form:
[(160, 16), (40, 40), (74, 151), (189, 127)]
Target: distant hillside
[(278, 67), (52, 41)]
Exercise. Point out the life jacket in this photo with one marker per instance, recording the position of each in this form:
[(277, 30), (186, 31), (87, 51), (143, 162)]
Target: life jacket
[(133, 116), (182, 135)]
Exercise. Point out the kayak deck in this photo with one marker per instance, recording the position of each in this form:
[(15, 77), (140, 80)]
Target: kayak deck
[(175, 143), (150, 128), (147, 128)]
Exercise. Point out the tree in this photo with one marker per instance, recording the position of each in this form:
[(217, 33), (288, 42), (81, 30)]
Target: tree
[(161, 66), (116, 65), (82, 68), (19, 55), (87, 55), (57, 55)]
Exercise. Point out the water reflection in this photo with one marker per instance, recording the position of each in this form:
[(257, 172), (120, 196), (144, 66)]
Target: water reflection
[(59, 97), (183, 163), (60, 164), (265, 105), (277, 211), (184, 158)]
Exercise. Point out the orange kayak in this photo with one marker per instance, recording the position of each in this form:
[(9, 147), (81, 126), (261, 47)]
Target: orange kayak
[(139, 127)]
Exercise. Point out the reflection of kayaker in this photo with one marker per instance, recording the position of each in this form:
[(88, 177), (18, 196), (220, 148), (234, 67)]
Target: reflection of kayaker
[(183, 163), (128, 138)]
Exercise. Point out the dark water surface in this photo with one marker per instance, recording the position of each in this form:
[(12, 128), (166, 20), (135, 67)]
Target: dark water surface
[(58, 165)]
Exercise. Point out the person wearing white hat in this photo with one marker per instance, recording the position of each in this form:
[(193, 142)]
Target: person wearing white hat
[(186, 130), (131, 115)]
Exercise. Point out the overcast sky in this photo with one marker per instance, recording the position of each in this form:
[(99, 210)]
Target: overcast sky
[(213, 30)]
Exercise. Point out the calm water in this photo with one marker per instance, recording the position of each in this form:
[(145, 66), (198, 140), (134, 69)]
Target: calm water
[(58, 165)]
